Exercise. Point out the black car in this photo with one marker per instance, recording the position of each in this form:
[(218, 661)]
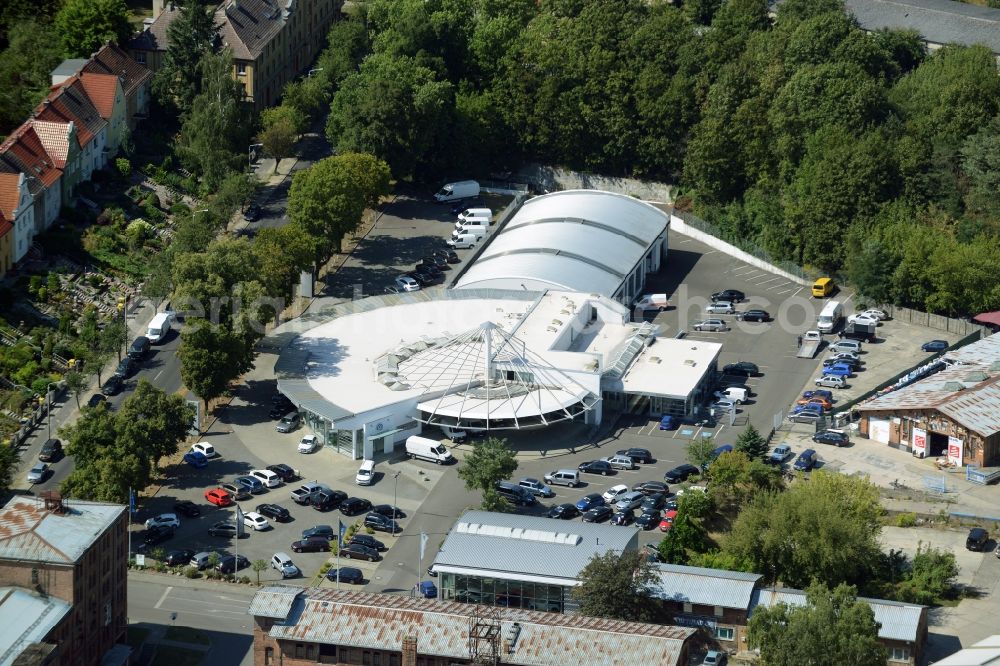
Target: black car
[(113, 385), (324, 531), (327, 500), (225, 528), (741, 368), (382, 523), (423, 278), (314, 544), (648, 520), (754, 315), (597, 514), (431, 269), (653, 502), (187, 508), (449, 255), (638, 455), (357, 551), (834, 437), (369, 541), (680, 473), (352, 506), (731, 295), (978, 539), (278, 513), (280, 409), (126, 367), (139, 348), (436, 260), (51, 450), (602, 467), (285, 472), (232, 563), (563, 511), (670, 504), (179, 558), (388, 510), (346, 575), (154, 536), (652, 488), (96, 400), (852, 363), (626, 517), (252, 213)]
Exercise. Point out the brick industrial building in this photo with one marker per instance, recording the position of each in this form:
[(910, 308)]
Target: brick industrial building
[(63, 567)]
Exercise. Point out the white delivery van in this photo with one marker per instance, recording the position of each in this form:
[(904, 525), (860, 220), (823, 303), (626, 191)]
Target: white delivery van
[(366, 473), (652, 302), (427, 449), (473, 223), (831, 315), (474, 212), (464, 241), (478, 232), (463, 189), (456, 435), (159, 327)]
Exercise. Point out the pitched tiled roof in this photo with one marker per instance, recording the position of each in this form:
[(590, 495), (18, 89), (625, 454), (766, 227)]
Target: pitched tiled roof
[(23, 151), (101, 89), (69, 102), (54, 138), (10, 194), (30, 532), (360, 619), (112, 60), (247, 26), (154, 38), (5, 227)]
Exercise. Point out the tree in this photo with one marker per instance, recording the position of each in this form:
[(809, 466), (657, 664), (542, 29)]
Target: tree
[(211, 357), (95, 362), (282, 253), (786, 536), (699, 452), (617, 586), (85, 25), (930, 577), (491, 461), (347, 46), (310, 96), (152, 422), (9, 459), (76, 383), (981, 163), (189, 37), (235, 191), (216, 130), (258, 566), (281, 128), (113, 337), (751, 443), (833, 628), (26, 66), (687, 535)]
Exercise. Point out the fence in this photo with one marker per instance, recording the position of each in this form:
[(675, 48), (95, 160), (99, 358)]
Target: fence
[(553, 179), (939, 322)]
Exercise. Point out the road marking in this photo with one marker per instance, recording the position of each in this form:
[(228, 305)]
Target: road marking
[(163, 598), (777, 277), (157, 375)]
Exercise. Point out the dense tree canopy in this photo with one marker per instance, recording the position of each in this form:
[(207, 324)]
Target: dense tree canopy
[(85, 25), (26, 65)]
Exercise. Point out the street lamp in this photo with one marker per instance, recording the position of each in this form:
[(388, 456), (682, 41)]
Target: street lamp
[(313, 71), (395, 480)]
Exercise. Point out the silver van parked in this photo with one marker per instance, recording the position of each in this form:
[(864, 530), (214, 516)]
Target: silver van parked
[(563, 477), (621, 462)]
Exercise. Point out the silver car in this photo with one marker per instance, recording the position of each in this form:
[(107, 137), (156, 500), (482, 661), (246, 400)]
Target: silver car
[(38, 473), (288, 422), (830, 381), (710, 325), (720, 307)]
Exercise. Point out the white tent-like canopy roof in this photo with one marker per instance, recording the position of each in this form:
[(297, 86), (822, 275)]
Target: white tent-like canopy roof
[(579, 240)]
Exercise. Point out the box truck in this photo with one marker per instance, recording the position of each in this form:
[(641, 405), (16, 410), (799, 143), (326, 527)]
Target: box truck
[(159, 327), (427, 449), (463, 189)]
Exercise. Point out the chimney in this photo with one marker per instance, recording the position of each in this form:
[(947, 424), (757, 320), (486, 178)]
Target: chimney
[(53, 501), (410, 651)]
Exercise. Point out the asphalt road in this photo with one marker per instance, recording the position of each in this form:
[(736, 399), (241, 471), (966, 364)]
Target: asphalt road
[(274, 201), (219, 610)]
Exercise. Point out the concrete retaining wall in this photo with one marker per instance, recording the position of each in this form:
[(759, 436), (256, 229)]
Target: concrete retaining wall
[(680, 226), (554, 179)]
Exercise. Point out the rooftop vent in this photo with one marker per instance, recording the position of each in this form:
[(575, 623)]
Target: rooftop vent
[(53, 501), (953, 386), (976, 377)]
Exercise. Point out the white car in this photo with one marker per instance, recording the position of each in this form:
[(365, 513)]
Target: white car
[(613, 492), (308, 444), (205, 449), (164, 520), (875, 313), (407, 283), (722, 395), (267, 477), (720, 307), (844, 356), (862, 319), (256, 521)]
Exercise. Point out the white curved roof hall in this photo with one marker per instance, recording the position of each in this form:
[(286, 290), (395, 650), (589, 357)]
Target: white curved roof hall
[(579, 240)]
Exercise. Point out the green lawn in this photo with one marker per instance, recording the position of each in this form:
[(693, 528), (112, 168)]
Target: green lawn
[(137, 636), (174, 656), (187, 635)]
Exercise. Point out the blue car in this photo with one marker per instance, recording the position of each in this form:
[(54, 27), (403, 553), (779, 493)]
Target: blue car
[(935, 345), (588, 502), (428, 589), (668, 422), (196, 459), (819, 393), (838, 370)]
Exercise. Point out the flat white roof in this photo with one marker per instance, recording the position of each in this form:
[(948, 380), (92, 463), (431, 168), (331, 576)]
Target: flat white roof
[(670, 367)]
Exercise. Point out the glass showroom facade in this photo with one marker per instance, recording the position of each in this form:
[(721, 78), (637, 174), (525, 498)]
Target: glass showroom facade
[(509, 593)]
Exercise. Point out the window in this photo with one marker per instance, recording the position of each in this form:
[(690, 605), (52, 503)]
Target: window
[(241, 68), (899, 654), (268, 656), (140, 57), (724, 633)]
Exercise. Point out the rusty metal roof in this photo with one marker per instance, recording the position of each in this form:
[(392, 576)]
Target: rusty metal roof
[(364, 620), (30, 532), (984, 352)]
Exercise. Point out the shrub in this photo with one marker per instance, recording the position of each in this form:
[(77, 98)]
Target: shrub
[(906, 520), (245, 580), (192, 572), (124, 167), (370, 530), (326, 567)]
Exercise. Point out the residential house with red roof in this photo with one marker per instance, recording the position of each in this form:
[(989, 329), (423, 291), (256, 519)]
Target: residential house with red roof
[(135, 79), (6, 247), (60, 142), (272, 41), (108, 97), (69, 103), (16, 209), (23, 152)]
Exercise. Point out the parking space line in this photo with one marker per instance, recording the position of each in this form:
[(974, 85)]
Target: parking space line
[(797, 291), (776, 277), (163, 598)]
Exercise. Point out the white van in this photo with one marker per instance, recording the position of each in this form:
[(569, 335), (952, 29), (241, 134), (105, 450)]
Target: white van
[(456, 435), (474, 212), (267, 477), (464, 241), (476, 221), (563, 477), (159, 327), (831, 315), (427, 449), (464, 189), (366, 473), (478, 232)]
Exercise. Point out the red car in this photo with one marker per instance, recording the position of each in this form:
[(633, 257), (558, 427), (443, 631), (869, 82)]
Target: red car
[(218, 497), (668, 520)]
